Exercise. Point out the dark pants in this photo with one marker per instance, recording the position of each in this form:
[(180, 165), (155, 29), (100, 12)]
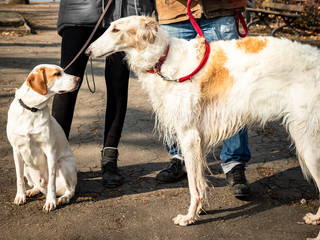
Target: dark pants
[(116, 77)]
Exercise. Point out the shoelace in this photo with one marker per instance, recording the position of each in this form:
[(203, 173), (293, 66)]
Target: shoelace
[(110, 166), (174, 165), (239, 177)]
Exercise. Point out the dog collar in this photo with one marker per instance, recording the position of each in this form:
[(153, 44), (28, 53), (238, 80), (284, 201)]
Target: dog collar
[(26, 107), (157, 68)]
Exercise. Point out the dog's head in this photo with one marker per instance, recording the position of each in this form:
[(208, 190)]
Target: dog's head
[(134, 32), (47, 78)]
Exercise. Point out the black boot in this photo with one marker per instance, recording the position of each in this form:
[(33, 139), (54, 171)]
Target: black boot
[(237, 181), (173, 173), (110, 173)]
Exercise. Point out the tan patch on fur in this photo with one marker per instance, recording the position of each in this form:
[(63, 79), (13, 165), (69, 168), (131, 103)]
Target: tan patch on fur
[(36, 81), (51, 74), (252, 45), (215, 80), (201, 48), (41, 78), (148, 31), (138, 36)]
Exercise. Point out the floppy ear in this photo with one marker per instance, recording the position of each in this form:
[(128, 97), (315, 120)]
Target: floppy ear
[(37, 82), (150, 30)]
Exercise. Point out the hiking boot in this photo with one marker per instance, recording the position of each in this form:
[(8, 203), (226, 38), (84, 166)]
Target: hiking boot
[(236, 179), (110, 173), (172, 173)]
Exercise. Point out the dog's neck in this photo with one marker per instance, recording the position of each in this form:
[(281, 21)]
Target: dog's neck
[(31, 98), (182, 56), (141, 61)]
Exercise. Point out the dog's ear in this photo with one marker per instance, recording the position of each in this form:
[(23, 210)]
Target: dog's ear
[(37, 81), (150, 30)]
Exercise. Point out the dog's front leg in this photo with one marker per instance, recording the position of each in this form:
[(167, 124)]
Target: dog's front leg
[(51, 201), (313, 219), (19, 164), (192, 152)]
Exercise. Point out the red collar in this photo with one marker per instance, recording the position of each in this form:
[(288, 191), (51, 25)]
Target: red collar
[(157, 67)]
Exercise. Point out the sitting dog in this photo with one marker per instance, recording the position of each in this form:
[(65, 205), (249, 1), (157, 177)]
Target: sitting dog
[(40, 148), (256, 79)]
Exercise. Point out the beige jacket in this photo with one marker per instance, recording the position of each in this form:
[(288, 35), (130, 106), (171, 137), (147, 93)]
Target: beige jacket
[(171, 11)]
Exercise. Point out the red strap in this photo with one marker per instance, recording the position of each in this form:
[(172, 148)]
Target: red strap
[(239, 17), (161, 61), (206, 55), (243, 23)]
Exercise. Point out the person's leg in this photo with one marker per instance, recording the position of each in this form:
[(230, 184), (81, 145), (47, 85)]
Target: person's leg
[(117, 80), (73, 39), (235, 151)]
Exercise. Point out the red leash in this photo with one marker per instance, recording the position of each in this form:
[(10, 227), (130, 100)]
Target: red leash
[(239, 17), (207, 53), (157, 68)]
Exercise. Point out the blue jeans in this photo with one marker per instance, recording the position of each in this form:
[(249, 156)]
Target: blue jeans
[(235, 150)]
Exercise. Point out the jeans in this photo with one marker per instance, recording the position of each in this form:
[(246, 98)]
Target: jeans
[(235, 150)]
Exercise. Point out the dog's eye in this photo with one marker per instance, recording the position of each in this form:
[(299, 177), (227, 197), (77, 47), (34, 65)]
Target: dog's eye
[(115, 30), (57, 74)]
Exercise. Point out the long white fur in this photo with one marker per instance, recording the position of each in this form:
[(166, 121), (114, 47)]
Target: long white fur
[(280, 81), (41, 150)]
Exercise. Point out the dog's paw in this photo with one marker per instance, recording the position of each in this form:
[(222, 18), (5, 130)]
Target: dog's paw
[(20, 199), (32, 192), (312, 219), (200, 209), (63, 200), (51, 204), (183, 220)]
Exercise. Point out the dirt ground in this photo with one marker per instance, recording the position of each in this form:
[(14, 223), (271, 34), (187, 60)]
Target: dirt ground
[(142, 208)]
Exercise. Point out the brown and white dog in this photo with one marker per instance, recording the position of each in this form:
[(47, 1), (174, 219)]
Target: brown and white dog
[(41, 150), (256, 79)]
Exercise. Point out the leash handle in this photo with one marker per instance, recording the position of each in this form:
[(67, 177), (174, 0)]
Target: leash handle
[(193, 21), (90, 37), (207, 53), (239, 17), (92, 75)]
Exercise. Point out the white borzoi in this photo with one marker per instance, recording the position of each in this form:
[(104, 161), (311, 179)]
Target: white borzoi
[(256, 79)]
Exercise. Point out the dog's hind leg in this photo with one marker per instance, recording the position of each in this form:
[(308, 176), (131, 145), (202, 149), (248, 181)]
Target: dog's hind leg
[(34, 178), (32, 192), (313, 165), (190, 145), (311, 160), (307, 143), (68, 181)]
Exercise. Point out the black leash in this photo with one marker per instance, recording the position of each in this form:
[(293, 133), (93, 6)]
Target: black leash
[(90, 37), (94, 84)]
